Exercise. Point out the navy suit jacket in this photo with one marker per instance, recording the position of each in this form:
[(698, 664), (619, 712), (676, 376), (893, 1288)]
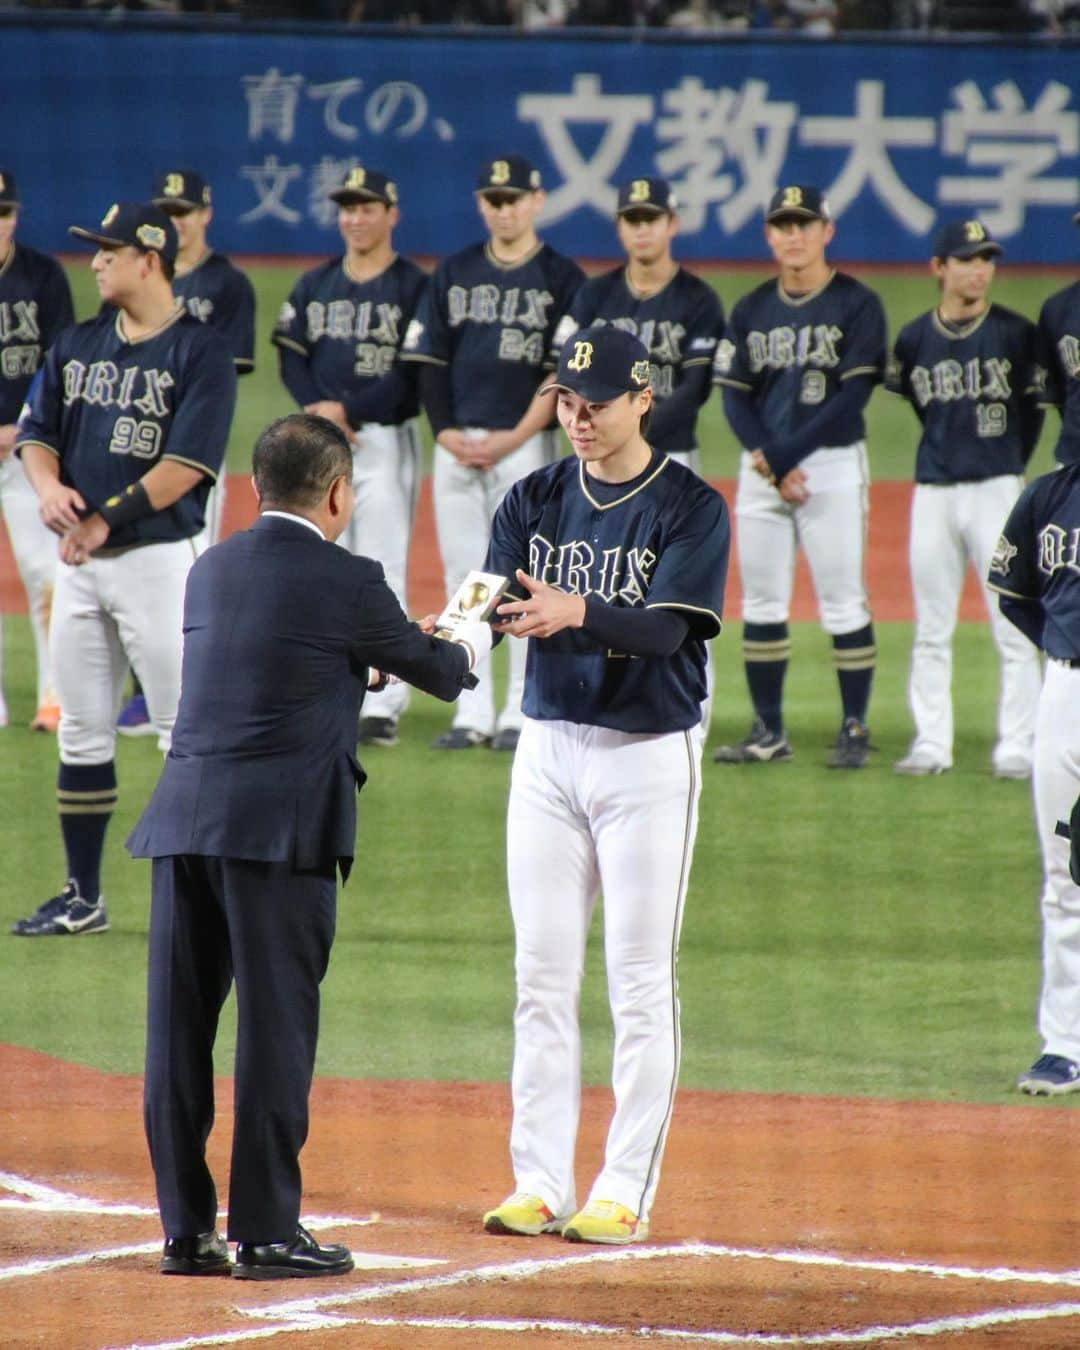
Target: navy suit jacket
[(280, 628)]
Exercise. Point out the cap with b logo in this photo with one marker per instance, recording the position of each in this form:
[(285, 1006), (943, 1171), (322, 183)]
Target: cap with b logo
[(9, 193), (365, 185), (508, 173), (139, 224), (600, 363), (650, 195), (180, 187), (799, 200), (965, 239)]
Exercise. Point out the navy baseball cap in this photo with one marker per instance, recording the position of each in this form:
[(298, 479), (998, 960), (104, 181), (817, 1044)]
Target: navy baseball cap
[(508, 173), (600, 363), (9, 193), (965, 239), (365, 185), (180, 187), (139, 224), (650, 195), (800, 200)]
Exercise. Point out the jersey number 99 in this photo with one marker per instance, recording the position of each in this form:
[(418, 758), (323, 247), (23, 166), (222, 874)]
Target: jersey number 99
[(131, 437)]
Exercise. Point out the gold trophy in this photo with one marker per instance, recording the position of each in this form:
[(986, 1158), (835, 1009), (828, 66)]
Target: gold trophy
[(474, 600)]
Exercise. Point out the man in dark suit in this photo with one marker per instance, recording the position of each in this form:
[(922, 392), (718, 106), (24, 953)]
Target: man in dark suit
[(254, 812)]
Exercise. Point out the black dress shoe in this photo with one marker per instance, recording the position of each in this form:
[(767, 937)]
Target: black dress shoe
[(287, 1260), (206, 1254)]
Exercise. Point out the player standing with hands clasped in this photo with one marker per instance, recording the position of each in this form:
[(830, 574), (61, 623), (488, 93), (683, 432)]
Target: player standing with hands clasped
[(338, 337), (618, 556), (969, 369), (123, 436), (797, 365), (35, 304), (483, 335)]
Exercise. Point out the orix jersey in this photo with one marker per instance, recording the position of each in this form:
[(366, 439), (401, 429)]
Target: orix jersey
[(968, 388), (111, 409), (35, 304), (1059, 352), (350, 332), (680, 325), (493, 325), (660, 540), (792, 353), (1038, 557), (216, 292)]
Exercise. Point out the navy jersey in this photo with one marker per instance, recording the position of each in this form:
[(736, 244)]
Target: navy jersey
[(969, 387), (493, 325), (217, 293), (680, 325), (792, 354), (350, 332), (35, 304), (1059, 352), (110, 410), (660, 540), (1038, 557)]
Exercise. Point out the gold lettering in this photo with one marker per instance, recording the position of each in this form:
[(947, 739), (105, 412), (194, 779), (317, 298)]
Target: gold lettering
[(973, 231), (793, 196), (500, 172), (174, 184), (582, 357), (639, 190)]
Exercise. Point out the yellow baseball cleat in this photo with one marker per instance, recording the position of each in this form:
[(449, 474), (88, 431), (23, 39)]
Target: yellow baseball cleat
[(523, 1215), (606, 1221)]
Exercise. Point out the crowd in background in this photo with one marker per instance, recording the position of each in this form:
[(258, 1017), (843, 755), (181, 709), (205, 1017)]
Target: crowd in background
[(813, 17)]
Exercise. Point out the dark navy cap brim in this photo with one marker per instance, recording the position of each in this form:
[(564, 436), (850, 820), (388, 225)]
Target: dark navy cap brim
[(797, 212), (345, 196), (165, 202), (646, 208), (93, 237), (602, 393), (966, 253)]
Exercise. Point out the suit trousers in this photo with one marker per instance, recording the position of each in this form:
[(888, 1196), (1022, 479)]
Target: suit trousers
[(269, 928)]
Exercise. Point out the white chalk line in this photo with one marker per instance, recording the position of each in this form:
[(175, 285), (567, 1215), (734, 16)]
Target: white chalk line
[(313, 1313)]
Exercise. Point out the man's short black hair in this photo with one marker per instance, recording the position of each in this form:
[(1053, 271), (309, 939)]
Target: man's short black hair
[(296, 459)]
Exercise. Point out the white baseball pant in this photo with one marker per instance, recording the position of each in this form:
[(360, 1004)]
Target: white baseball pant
[(952, 524), (386, 478), (123, 606), (1056, 783), (465, 502), (594, 809), (35, 549), (830, 526)]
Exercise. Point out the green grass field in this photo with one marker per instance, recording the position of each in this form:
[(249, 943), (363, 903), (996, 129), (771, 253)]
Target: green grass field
[(845, 933)]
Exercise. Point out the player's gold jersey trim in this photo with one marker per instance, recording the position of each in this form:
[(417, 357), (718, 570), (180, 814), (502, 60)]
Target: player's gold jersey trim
[(44, 445), (606, 506), (639, 294), (958, 334), (796, 300), (177, 314), (190, 464), (1002, 590), (362, 281), (517, 262), (280, 340)]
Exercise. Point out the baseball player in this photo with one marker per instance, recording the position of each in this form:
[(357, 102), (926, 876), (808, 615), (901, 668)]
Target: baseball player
[(1059, 350), (484, 334), (676, 315), (797, 365), (35, 304), (217, 293), (969, 369), (1036, 573), (121, 440), (338, 338), (619, 555)]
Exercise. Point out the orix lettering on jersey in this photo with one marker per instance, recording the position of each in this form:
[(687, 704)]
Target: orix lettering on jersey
[(1058, 549), (106, 385), (947, 381), (781, 348), (529, 309), (618, 573)]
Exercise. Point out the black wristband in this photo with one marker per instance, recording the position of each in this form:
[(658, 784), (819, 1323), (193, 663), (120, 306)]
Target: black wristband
[(131, 504)]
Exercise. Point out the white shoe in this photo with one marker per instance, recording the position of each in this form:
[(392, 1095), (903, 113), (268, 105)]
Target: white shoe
[(918, 764), (1012, 766)]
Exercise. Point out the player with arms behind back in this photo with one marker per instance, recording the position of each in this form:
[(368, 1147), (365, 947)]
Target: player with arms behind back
[(797, 365), (338, 338), (35, 304), (483, 336), (1059, 352), (969, 369), (123, 436), (617, 557)]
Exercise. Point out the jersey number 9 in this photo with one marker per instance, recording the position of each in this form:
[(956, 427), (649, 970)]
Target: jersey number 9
[(131, 437)]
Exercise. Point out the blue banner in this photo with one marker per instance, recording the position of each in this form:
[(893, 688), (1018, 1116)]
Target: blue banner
[(900, 135)]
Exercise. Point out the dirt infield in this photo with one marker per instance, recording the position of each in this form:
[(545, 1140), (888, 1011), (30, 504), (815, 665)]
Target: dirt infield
[(781, 1221), (890, 585)]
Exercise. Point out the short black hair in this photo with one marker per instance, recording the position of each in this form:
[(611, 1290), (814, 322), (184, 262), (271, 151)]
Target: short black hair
[(297, 458)]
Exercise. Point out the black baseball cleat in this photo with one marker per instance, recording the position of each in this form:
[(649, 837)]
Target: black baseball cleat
[(65, 915), (760, 746), (852, 746), (207, 1254), (300, 1258), (378, 731), (460, 738)]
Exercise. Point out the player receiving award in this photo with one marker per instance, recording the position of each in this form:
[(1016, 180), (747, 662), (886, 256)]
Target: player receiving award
[(618, 557)]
